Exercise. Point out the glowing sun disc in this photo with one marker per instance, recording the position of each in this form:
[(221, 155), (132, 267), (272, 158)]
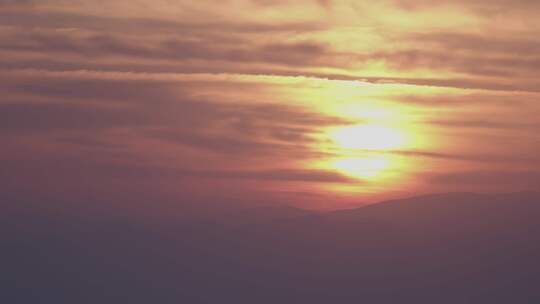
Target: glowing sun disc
[(366, 168), (368, 137)]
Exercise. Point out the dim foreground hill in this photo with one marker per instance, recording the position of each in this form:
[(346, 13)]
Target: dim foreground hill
[(443, 248)]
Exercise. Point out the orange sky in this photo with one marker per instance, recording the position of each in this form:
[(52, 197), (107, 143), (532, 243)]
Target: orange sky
[(321, 104)]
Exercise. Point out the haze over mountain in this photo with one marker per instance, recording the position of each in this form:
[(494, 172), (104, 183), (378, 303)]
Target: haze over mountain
[(442, 248)]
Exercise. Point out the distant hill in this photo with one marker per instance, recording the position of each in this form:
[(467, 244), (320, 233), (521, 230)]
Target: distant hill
[(443, 248)]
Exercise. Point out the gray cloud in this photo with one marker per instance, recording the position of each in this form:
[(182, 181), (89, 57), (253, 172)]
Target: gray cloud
[(471, 157), (477, 64), (101, 45), (15, 2), (318, 176), (323, 3), (500, 44), (486, 124), (218, 46), (30, 117), (504, 179), (63, 20), (484, 7), (167, 111), (279, 175)]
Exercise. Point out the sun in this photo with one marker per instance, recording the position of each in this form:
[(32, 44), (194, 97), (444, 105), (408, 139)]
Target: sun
[(368, 167), (367, 137), (364, 149)]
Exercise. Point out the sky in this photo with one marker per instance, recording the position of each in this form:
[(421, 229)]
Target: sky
[(322, 104)]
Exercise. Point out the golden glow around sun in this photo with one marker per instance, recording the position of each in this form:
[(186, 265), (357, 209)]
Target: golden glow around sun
[(363, 149), (372, 145)]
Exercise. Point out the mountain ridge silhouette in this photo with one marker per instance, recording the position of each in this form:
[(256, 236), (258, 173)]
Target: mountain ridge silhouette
[(483, 248)]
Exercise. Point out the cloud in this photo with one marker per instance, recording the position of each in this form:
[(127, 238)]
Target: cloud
[(248, 130), (59, 40), (486, 124), (304, 53), (114, 118), (278, 175), (41, 118), (58, 19), (15, 2), (479, 6), (208, 92), (55, 39), (503, 179), (502, 44), (322, 3), (486, 157), (475, 64)]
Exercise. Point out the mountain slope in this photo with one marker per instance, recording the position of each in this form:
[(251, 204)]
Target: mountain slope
[(445, 248)]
